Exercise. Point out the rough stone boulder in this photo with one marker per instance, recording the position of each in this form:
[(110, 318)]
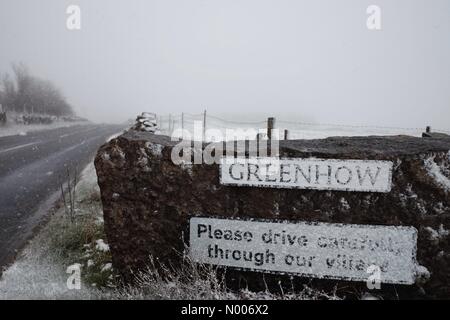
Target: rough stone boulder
[(148, 201)]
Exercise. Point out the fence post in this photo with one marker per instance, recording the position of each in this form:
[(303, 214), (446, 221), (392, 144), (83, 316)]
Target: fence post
[(204, 125), (270, 125), (170, 125), (182, 125), (286, 134), (427, 133)]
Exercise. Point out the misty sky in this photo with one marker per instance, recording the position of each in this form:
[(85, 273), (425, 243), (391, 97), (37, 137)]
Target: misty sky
[(313, 58)]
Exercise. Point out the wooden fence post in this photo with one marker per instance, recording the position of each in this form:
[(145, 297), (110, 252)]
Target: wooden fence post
[(427, 133), (270, 126), (204, 126)]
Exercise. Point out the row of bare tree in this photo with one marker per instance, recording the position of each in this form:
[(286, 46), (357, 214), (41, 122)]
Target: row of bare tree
[(25, 93)]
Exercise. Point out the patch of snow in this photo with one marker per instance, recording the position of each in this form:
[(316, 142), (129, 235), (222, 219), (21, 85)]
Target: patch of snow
[(121, 153), (101, 245), (86, 256), (277, 208), (105, 156), (435, 171), (397, 164), (437, 235), (114, 136), (106, 267), (369, 296), (99, 221), (88, 182), (75, 266), (155, 149), (146, 122)]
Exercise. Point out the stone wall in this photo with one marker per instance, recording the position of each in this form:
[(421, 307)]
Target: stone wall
[(148, 200)]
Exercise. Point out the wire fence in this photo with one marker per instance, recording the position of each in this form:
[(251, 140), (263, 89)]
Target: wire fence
[(206, 127)]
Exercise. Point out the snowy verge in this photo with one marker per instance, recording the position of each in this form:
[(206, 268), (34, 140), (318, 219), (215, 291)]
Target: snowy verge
[(40, 270)]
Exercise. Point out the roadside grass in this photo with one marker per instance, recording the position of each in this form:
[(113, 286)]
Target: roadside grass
[(40, 270), (77, 243), (79, 239), (200, 282)]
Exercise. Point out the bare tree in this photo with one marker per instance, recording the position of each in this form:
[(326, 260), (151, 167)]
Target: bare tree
[(30, 94), (8, 93), (23, 81)]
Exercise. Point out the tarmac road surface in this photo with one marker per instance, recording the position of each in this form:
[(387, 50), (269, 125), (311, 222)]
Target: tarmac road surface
[(31, 170)]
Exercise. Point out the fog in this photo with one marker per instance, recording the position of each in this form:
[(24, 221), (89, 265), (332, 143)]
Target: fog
[(312, 59)]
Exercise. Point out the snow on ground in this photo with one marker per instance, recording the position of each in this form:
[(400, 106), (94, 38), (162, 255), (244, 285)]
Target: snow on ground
[(115, 136), (101, 245), (22, 129), (322, 132), (39, 273), (88, 182), (216, 130), (436, 171)]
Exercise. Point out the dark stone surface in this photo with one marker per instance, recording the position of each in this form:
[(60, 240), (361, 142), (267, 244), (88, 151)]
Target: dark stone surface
[(148, 201)]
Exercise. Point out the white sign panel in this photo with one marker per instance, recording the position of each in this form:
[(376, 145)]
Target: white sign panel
[(319, 250), (319, 174)]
